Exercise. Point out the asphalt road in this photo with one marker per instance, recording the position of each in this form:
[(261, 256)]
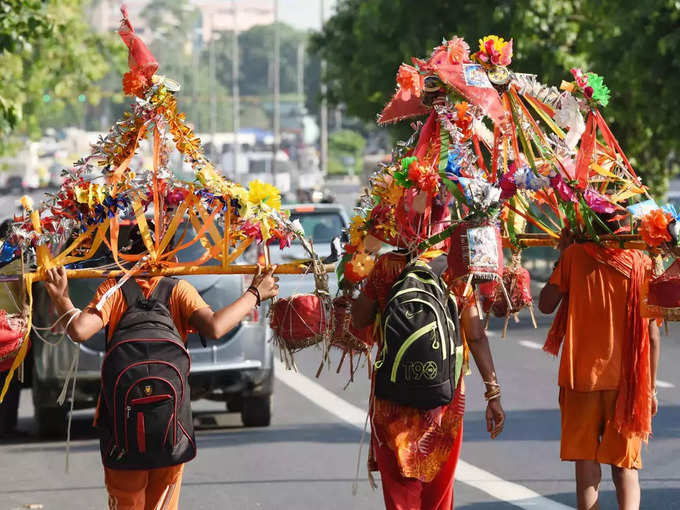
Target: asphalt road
[(307, 457)]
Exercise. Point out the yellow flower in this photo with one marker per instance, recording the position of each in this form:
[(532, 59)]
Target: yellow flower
[(356, 230), (240, 194), (498, 43), (263, 193)]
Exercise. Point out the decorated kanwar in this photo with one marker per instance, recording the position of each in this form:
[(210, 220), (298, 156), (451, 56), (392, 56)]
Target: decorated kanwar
[(497, 163), (500, 160)]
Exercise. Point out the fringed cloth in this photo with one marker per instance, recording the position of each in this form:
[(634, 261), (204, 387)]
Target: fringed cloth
[(633, 415)]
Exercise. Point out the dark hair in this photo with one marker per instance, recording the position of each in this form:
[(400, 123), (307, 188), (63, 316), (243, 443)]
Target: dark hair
[(135, 245)]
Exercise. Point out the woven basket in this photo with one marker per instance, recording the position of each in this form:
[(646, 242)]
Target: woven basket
[(300, 321)]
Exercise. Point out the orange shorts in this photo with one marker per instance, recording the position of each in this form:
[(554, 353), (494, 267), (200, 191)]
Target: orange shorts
[(150, 489), (589, 433)]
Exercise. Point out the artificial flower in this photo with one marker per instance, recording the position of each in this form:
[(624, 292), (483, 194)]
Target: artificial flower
[(135, 84), (410, 81), (359, 267), (457, 50), (598, 202), (654, 227), (600, 92), (357, 230), (262, 193), (464, 119), (563, 189), (495, 51), (580, 77), (424, 177)]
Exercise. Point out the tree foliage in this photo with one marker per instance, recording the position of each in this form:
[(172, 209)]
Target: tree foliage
[(634, 45), (51, 61)]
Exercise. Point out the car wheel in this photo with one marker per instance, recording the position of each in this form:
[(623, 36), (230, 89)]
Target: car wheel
[(235, 404), (257, 411), (51, 421)]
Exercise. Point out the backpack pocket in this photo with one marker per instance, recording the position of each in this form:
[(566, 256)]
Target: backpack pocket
[(149, 424)]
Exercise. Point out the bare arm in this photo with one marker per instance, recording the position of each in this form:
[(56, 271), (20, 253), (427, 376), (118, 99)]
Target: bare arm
[(550, 297), (84, 325), (217, 324), (654, 350), (481, 352)]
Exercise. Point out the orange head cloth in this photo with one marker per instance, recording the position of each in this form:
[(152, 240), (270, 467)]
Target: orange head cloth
[(140, 59)]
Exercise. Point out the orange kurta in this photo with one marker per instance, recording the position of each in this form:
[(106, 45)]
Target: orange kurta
[(597, 320), (184, 301)]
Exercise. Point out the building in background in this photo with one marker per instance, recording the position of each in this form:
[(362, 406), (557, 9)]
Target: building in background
[(216, 15)]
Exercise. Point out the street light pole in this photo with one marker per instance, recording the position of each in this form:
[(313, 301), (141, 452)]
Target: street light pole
[(213, 97), (236, 100), (277, 113), (323, 113)]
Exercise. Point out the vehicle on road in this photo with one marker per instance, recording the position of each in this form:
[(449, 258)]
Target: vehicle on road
[(236, 369), (322, 223)]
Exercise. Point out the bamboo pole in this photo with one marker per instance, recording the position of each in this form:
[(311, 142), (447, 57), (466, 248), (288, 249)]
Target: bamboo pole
[(299, 267), (629, 241)]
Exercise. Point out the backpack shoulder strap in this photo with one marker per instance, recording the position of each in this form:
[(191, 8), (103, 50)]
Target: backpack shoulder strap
[(131, 291), (438, 265), (163, 290)]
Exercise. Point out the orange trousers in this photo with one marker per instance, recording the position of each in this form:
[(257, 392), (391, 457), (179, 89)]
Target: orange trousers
[(410, 493), (150, 489)]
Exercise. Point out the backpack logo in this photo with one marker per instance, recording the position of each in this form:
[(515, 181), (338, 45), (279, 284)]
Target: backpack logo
[(148, 390)]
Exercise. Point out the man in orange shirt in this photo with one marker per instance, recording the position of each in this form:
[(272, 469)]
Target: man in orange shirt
[(149, 489), (607, 371)]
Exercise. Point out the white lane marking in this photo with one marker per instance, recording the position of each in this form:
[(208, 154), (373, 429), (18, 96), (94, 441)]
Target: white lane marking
[(500, 489), (530, 344), (534, 345)]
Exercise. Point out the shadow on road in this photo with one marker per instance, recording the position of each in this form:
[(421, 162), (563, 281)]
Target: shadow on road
[(544, 425), (658, 499)]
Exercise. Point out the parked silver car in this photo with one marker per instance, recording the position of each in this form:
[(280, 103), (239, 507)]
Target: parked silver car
[(236, 369)]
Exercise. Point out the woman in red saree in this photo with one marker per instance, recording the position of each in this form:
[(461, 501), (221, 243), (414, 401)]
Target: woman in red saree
[(416, 451)]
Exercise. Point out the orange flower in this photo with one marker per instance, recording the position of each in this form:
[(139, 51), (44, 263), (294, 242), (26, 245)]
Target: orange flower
[(135, 84), (410, 81), (464, 119), (457, 50), (654, 227), (359, 267)]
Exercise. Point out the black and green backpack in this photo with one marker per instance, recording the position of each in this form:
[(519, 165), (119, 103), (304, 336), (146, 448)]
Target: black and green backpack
[(422, 353)]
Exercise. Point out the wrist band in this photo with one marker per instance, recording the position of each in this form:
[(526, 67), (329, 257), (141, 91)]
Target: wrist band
[(253, 290), (492, 394)]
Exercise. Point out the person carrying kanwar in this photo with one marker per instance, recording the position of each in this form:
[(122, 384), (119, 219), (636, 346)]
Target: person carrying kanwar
[(151, 316), (607, 373), (416, 449)]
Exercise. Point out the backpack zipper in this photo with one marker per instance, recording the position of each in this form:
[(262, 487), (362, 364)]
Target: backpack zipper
[(407, 343)]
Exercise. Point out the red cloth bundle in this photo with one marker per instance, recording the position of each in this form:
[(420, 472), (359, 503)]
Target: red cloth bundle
[(346, 336), (299, 321), (517, 282), (12, 334), (476, 250), (664, 290)]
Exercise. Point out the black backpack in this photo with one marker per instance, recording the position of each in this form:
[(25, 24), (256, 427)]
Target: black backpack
[(145, 413), (422, 354)]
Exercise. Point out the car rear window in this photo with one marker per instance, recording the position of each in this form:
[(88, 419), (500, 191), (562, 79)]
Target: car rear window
[(321, 226)]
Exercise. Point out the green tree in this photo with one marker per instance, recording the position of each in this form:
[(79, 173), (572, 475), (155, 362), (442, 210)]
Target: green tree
[(634, 45), (51, 62), (345, 149)]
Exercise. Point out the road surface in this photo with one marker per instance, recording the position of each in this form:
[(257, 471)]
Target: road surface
[(307, 458)]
